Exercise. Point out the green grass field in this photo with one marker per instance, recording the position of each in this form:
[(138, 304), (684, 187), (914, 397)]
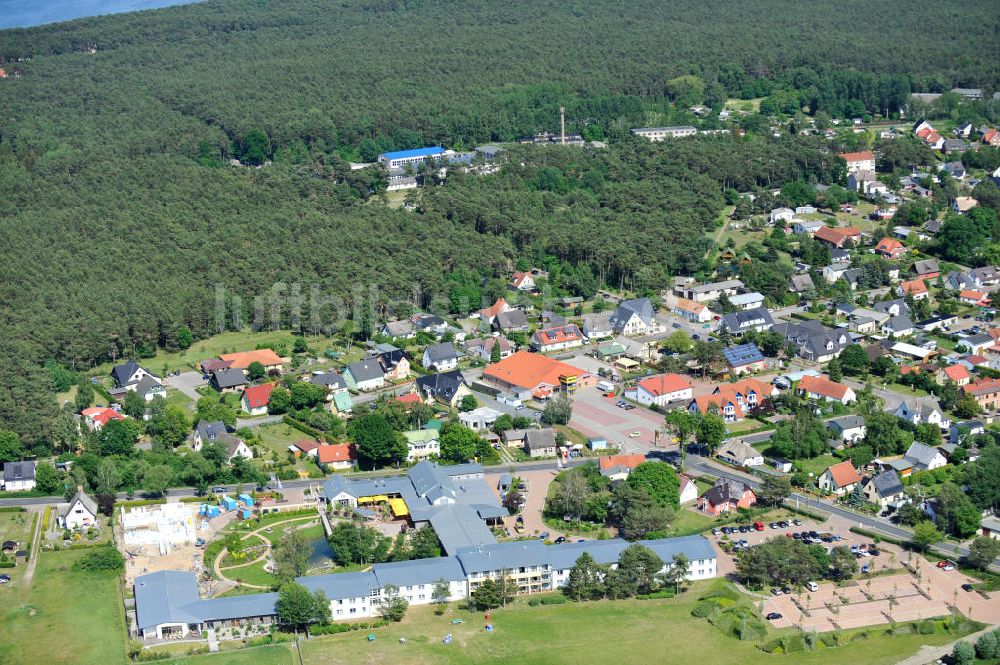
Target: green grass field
[(280, 654), (817, 465), (17, 526), (689, 521), (65, 617), (662, 631)]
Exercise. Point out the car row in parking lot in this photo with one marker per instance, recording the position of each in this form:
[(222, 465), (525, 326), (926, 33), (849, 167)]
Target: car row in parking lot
[(622, 404), (814, 537), (756, 526)]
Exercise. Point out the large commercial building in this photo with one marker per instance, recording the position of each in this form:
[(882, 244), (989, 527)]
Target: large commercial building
[(167, 603), (415, 157), (661, 133)]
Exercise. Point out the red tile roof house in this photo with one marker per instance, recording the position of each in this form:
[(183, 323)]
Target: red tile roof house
[(256, 398), (916, 288), (986, 392), (957, 373), (726, 495), (521, 281), (820, 387), (859, 161), (839, 236), (978, 298), (889, 248), (839, 478), (618, 467), (97, 417), (306, 447), (663, 389), (340, 456)]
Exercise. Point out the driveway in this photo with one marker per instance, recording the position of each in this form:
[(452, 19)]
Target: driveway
[(537, 482), (186, 382)]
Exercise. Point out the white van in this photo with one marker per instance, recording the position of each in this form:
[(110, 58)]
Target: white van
[(605, 386), (812, 586)]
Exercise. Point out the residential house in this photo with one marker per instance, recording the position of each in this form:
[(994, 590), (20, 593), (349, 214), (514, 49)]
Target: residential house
[(96, 417), (839, 478), (916, 288), (739, 453), (991, 137), (663, 389), (690, 310), (890, 248), (781, 215), (976, 343), (849, 429), (422, 444), (977, 298), (898, 326), (958, 373), (440, 357), (840, 256), (242, 360), (338, 457), (446, 388), (986, 392), (618, 467), (522, 281), (744, 359), (725, 496), (598, 326), (689, 490), (235, 447), (540, 442), (479, 419), (926, 269), (884, 489), (924, 458), (128, 373), (920, 411), (19, 476), (256, 398), (747, 301), (952, 146), (802, 284), (743, 321), (483, 348), (990, 527), (963, 204), (229, 380), (557, 339), (402, 329), (859, 161), (365, 375), (820, 388), (813, 341), (938, 322), (511, 320), (304, 448), (80, 513), (206, 432), (894, 307), (148, 388), (635, 317), (432, 324), (807, 227), (395, 364), (838, 237), (489, 314), (330, 381), (960, 431)]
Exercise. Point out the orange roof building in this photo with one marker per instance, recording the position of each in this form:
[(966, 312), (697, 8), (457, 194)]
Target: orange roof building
[(836, 237), (890, 248), (537, 373), (822, 387), (839, 478), (914, 287), (338, 455), (619, 464), (244, 359)]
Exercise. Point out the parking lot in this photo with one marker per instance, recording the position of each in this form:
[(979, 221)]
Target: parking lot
[(596, 415)]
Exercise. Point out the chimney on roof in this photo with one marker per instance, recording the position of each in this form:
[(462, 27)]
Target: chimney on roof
[(562, 124)]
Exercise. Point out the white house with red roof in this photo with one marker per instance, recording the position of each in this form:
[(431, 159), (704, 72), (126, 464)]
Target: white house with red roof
[(958, 373), (521, 281), (839, 478), (978, 298), (489, 314), (890, 248), (663, 389), (859, 161), (991, 137), (820, 387), (339, 456), (568, 336), (256, 398), (96, 417)]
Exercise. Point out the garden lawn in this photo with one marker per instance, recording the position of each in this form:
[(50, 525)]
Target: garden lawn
[(689, 521), (65, 616), (276, 438), (816, 465), (182, 401), (279, 654), (655, 632), (17, 526)]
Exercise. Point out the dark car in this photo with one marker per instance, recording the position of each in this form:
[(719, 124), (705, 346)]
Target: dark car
[(219, 490), (773, 616), (785, 590), (965, 587), (560, 540), (775, 591), (676, 325), (797, 536)]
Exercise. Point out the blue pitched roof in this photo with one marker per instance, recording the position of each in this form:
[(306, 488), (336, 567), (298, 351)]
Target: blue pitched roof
[(420, 571), (416, 152), (743, 354)]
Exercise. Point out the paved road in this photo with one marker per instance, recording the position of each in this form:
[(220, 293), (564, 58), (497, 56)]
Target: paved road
[(869, 522), (186, 382)]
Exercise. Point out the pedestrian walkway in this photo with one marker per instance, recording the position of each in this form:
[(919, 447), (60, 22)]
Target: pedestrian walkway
[(929, 654)]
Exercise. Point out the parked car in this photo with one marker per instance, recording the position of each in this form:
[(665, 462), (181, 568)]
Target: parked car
[(773, 616), (544, 535), (218, 490), (775, 591), (967, 587), (560, 540), (4, 578), (812, 586), (759, 526)]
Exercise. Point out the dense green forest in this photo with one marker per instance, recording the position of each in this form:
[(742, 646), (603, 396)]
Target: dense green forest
[(119, 213)]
